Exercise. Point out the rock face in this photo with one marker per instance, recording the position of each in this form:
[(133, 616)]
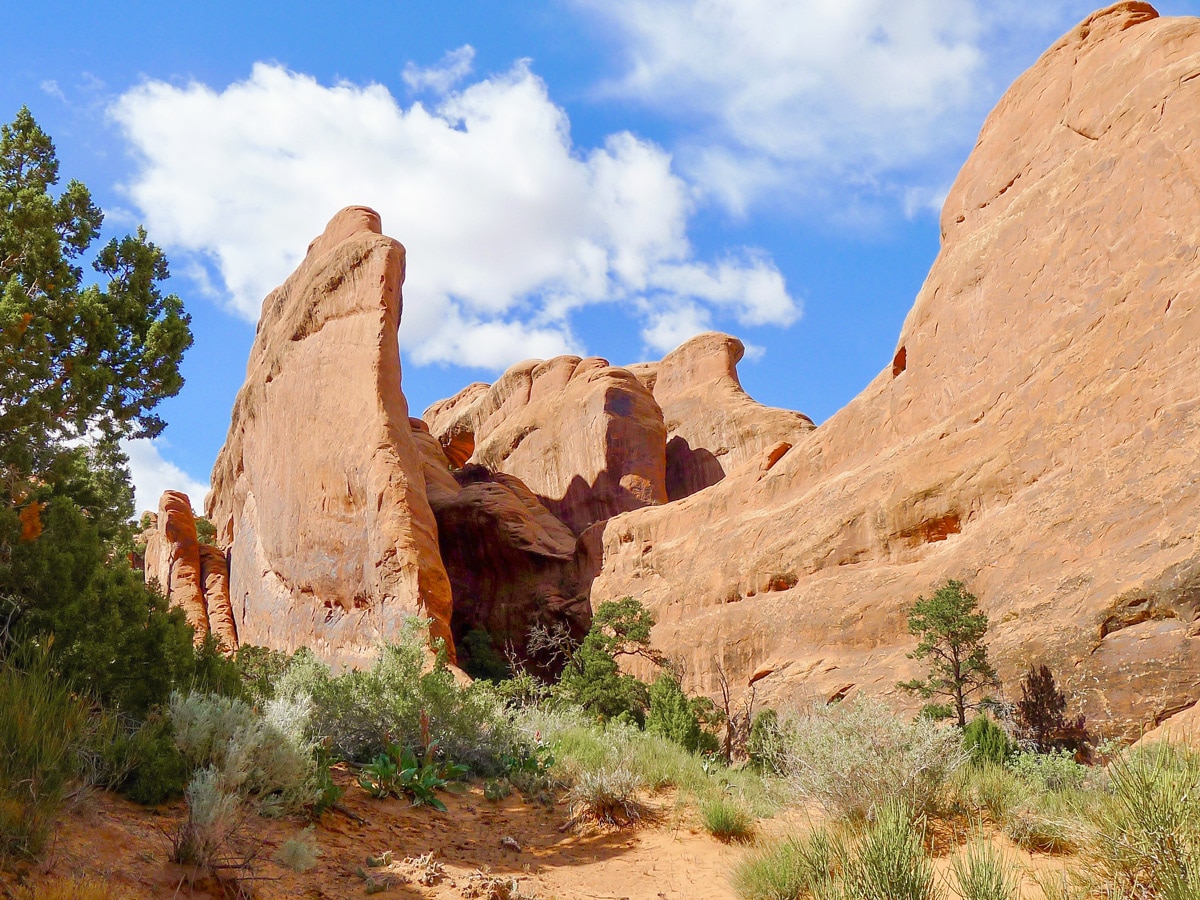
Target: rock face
[(1035, 435), (713, 426), (587, 438), (195, 577), (512, 564), (319, 492)]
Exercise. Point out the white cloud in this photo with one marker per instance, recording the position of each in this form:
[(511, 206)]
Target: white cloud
[(669, 327), (454, 67), (801, 90), (508, 226), (152, 475), (836, 104)]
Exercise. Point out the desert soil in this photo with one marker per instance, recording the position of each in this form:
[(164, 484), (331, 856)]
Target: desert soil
[(476, 846)]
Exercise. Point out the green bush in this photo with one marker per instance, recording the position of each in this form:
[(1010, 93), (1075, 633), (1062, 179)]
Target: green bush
[(260, 668), (150, 769), (592, 678), (268, 755), (986, 741), (671, 714), (42, 728), (992, 788), (362, 712), (479, 659), (1056, 771), (855, 757), (215, 814), (766, 743)]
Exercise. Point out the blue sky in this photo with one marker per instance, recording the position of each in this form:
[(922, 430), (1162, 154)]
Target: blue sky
[(595, 176)]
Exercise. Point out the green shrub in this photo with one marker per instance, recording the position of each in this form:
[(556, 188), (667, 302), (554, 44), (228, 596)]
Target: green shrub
[(726, 819), (300, 853), (982, 873), (857, 756), (259, 669), (267, 755), (992, 788), (215, 814), (986, 741), (790, 868), (671, 714), (42, 727), (889, 861), (766, 744), (592, 679), (361, 712), (1056, 771), (479, 659), (150, 768)]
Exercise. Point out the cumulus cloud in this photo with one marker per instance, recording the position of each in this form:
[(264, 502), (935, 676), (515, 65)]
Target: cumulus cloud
[(509, 227), (845, 90), (151, 475)]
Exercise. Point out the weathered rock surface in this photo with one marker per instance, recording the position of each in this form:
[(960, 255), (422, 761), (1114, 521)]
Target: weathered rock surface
[(713, 425), (586, 437), (319, 492), (194, 576), (512, 564), (1036, 433)]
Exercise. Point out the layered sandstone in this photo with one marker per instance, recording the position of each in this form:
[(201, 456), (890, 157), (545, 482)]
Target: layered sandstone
[(586, 437), (194, 576), (1035, 434), (319, 493), (713, 425)]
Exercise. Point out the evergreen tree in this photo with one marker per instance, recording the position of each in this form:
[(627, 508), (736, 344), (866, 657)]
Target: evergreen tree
[(83, 362), (951, 632)]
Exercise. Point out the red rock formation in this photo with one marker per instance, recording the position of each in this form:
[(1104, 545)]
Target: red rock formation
[(1035, 434), (214, 581), (607, 456), (713, 425), (193, 576), (318, 492)]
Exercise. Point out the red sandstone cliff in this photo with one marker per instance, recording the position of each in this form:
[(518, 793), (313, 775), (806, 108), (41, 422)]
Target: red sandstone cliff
[(1036, 434)]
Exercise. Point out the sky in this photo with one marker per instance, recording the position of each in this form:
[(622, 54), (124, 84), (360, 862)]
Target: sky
[(599, 177)]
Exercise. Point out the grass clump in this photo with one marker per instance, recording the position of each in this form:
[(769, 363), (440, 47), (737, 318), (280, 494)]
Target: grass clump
[(607, 796), (1146, 839), (790, 868), (856, 757), (43, 727), (890, 860), (982, 873), (727, 819)]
